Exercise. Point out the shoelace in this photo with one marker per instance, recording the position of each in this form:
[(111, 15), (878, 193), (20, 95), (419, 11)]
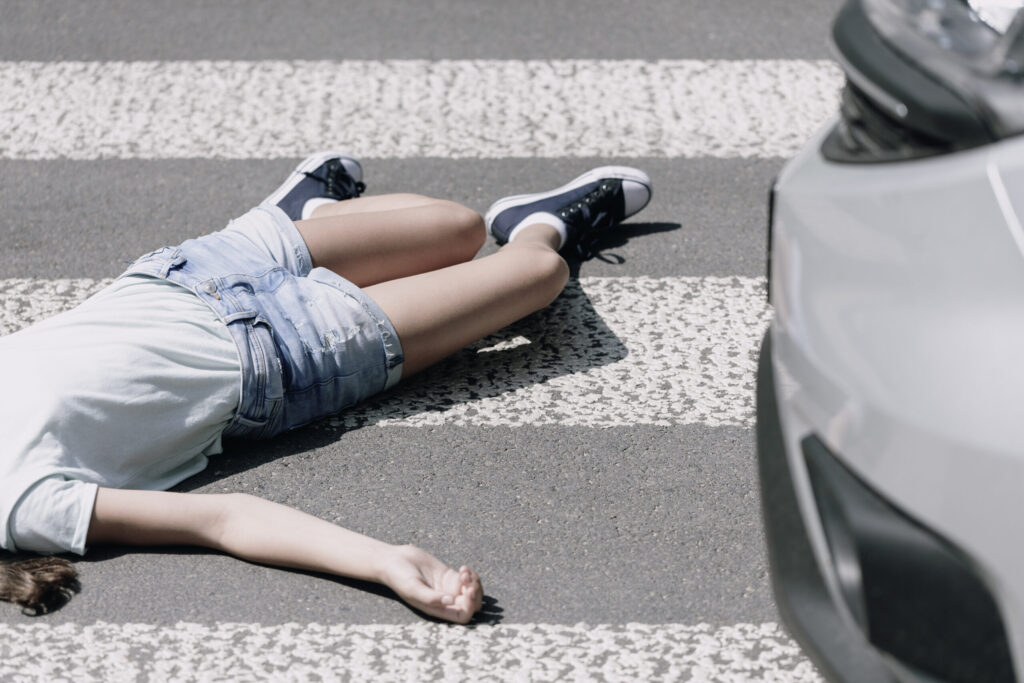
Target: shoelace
[(337, 182), (589, 212)]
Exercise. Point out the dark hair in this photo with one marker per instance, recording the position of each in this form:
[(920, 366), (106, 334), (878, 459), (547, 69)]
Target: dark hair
[(38, 584)]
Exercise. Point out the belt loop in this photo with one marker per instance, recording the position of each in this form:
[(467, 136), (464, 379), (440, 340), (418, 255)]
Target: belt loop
[(176, 260)]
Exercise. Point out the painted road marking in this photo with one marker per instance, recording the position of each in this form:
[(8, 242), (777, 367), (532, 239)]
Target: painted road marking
[(609, 352), (415, 652), (413, 108)]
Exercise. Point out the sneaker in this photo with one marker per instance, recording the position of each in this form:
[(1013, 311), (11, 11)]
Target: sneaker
[(319, 179), (597, 200)]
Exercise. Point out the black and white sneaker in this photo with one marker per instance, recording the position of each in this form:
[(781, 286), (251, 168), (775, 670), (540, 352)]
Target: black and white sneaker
[(320, 179), (587, 206)]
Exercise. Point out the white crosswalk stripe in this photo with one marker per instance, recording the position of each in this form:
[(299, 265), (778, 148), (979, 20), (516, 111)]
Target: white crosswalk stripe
[(413, 108), (417, 652), (610, 352)]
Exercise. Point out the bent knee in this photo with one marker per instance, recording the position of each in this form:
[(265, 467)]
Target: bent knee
[(546, 271), (554, 271), (466, 226)]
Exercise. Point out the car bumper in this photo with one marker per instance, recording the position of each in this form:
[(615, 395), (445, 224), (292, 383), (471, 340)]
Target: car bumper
[(805, 605), (898, 314)]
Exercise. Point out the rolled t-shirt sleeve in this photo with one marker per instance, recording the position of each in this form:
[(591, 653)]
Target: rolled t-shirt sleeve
[(53, 516)]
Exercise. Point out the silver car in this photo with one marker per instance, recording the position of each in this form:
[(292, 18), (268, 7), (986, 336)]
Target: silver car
[(891, 381)]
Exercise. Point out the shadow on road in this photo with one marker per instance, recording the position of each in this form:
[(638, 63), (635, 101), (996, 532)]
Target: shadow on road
[(618, 237)]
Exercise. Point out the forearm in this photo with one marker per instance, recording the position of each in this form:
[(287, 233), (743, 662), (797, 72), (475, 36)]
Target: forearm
[(245, 526), (262, 531)]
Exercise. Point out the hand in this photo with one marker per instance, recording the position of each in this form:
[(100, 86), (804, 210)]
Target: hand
[(433, 587)]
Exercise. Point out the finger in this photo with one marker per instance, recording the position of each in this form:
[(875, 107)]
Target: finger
[(475, 578), (466, 608), (424, 595), (468, 576), (476, 596)]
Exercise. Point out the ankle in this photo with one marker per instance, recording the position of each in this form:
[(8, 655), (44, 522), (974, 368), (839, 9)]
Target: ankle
[(537, 234), (318, 207)]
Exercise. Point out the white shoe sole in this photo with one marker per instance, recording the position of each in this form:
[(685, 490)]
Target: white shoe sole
[(307, 165), (591, 176)]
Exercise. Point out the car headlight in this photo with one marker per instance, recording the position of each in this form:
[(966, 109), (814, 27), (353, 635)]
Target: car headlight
[(917, 27), (927, 77), (998, 14)]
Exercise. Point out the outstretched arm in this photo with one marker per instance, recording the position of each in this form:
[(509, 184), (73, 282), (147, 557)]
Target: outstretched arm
[(258, 530)]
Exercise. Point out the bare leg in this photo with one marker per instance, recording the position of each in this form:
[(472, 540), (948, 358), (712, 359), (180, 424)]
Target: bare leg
[(376, 239), (380, 202), (437, 313), (412, 255)]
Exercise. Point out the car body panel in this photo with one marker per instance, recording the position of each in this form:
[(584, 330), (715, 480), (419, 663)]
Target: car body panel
[(899, 340)]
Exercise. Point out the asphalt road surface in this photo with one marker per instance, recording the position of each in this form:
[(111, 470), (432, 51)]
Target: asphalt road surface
[(595, 463)]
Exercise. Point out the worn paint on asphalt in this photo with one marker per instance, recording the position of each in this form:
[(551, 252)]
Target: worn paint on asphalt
[(416, 652)]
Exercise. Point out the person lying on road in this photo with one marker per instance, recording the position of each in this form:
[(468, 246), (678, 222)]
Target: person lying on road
[(305, 305)]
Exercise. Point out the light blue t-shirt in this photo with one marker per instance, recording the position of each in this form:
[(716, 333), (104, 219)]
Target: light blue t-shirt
[(131, 389)]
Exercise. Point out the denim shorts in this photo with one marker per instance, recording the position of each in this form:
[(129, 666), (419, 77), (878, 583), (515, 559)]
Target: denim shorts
[(310, 342)]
